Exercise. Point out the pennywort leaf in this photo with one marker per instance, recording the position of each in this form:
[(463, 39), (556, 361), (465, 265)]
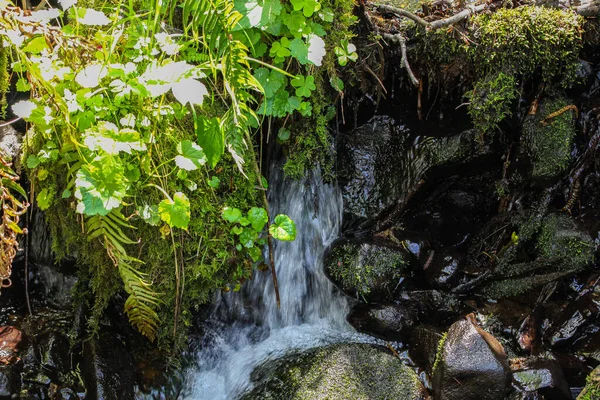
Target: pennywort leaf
[(175, 212), (283, 228)]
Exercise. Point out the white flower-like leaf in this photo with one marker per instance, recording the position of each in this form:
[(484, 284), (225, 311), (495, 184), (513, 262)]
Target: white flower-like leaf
[(23, 108), (316, 49), (91, 75), (46, 15), (189, 91), (93, 17), (66, 4), (14, 36)]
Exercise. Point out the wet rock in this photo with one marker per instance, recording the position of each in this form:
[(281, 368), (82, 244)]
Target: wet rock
[(423, 346), (544, 376), (382, 162), (54, 351), (592, 387), (548, 137), (342, 371), (470, 364), (10, 337), (395, 321), (108, 369), (10, 142), (365, 271), (571, 322), (390, 322), (376, 170), (10, 382), (457, 149)]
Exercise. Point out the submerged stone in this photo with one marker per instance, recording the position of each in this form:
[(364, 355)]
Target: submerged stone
[(365, 271), (341, 372), (470, 365)]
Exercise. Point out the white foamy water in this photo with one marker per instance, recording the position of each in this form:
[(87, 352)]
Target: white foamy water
[(246, 328)]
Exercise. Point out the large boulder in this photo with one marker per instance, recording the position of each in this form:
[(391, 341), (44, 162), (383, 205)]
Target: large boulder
[(341, 372), (365, 271), (470, 365), (381, 163)]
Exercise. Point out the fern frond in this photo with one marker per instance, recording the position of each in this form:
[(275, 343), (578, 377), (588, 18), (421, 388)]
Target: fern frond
[(142, 300)]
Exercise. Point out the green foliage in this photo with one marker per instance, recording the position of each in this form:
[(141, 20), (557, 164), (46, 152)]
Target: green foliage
[(130, 120), (490, 101)]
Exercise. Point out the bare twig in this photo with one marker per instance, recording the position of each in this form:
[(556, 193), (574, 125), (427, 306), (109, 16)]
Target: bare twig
[(456, 18), (461, 16), (403, 13), (401, 40)]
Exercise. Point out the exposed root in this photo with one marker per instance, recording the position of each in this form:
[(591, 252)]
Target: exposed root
[(401, 40), (559, 112)]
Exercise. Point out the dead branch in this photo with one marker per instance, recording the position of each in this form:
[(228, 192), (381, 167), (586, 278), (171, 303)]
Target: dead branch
[(461, 16), (403, 13), (401, 40)]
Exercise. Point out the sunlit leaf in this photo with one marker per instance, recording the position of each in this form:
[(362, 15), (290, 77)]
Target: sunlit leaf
[(258, 218), (189, 91), (175, 212), (316, 49), (211, 137), (191, 156), (283, 228)]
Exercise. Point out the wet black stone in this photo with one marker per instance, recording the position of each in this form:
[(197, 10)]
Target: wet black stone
[(10, 382), (471, 365), (542, 375), (108, 369), (390, 322), (424, 344)]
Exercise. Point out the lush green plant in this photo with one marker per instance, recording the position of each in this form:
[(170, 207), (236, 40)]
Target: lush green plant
[(142, 137)]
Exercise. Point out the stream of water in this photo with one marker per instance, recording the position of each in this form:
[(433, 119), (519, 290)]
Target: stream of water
[(247, 329)]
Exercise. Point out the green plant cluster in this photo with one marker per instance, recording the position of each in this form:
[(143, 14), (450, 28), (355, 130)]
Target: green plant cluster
[(141, 151)]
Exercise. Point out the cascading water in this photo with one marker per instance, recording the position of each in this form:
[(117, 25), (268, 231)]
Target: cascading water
[(247, 329)]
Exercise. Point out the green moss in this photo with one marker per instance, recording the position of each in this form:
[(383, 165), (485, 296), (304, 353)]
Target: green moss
[(343, 371), (548, 141), (490, 101), (592, 387), (498, 51), (439, 354), (528, 40), (4, 77)]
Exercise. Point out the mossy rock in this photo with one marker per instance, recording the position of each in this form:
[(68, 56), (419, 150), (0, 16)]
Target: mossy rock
[(547, 138), (365, 271), (340, 372), (554, 247), (592, 387)]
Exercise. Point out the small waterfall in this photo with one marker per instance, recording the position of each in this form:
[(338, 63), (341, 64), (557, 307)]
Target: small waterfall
[(246, 328)]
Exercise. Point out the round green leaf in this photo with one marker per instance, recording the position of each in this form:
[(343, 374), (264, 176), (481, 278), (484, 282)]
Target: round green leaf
[(283, 228)]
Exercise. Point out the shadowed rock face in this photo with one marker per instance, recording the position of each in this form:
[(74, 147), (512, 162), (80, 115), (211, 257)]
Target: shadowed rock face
[(342, 371), (470, 364)]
